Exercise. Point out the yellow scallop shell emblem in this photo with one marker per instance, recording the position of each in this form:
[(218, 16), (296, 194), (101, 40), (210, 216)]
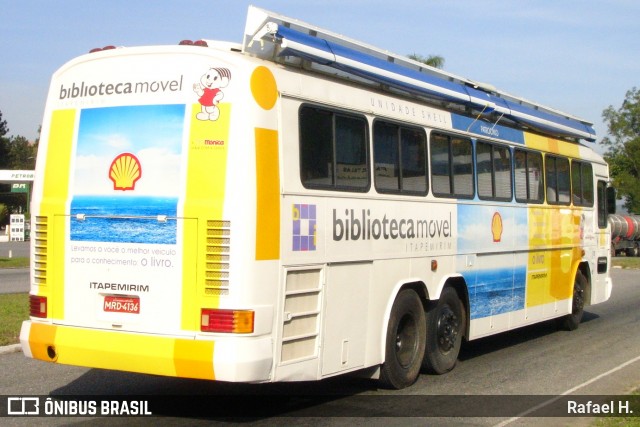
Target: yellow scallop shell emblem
[(125, 171), (496, 227)]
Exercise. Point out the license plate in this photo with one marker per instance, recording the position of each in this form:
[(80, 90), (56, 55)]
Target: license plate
[(113, 304)]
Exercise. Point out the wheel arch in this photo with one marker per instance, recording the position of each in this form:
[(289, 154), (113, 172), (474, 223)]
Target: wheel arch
[(583, 267), (459, 284), (419, 287)]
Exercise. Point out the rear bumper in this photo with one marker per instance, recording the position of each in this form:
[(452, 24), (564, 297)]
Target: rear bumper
[(235, 359)]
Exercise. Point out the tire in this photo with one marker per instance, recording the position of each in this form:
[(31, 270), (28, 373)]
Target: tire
[(570, 322), (405, 343), (446, 323)]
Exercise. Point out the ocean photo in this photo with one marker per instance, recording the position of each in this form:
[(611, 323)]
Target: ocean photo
[(497, 291), (124, 219)]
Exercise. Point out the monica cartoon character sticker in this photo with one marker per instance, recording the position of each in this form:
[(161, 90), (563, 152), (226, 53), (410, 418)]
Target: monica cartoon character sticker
[(209, 89)]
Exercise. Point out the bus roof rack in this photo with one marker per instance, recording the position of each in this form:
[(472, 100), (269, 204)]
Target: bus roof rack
[(272, 36)]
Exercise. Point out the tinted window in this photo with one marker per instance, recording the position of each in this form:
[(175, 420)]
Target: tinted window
[(399, 158), (558, 180), (451, 166), (333, 150), (602, 205), (528, 176), (493, 165), (582, 183)]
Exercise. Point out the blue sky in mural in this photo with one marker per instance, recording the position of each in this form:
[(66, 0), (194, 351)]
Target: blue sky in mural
[(153, 133)]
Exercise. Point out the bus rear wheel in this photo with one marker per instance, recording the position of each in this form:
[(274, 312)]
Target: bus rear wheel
[(571, 321), (405, 343), (445, 329)]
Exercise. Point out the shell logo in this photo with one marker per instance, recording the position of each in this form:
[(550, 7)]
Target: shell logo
[(496, 227), (125, 171)]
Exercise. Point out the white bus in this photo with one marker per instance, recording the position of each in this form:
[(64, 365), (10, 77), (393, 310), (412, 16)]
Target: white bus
[(301, 206)]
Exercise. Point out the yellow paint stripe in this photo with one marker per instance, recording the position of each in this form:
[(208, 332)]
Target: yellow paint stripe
[(204, 200), (40, 337), (119, 350), (194, 359), (555, 231), (54, 197), (551, 145), (268, 195)]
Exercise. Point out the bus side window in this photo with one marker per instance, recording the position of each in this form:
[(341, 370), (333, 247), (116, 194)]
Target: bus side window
[(316, 151), (333, 150), (386, 146), (413, 145), (493, 166), (399, 159), (558, 180), (528, 176), (440, 165), (451, 166), (581, 183), (602, 205)]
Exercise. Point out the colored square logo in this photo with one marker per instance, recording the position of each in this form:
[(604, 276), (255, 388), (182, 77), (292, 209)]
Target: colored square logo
[(304, 227)]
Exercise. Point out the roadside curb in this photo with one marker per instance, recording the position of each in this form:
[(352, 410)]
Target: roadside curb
[(14, 348)]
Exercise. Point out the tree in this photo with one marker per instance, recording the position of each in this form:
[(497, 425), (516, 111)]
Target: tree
[(623, 148), (435, 61), (21, 153), (16, 152), (3, 126), (4, 214), (4, 144)]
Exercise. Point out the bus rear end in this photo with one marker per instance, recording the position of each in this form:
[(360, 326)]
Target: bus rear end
[(135, 212)]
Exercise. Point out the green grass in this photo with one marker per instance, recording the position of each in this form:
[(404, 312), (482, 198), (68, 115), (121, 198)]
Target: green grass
[(14, 308), (626, 262), (631, 421), (18, 262)]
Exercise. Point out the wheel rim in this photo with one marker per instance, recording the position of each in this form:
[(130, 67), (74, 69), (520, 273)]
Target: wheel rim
[(406, 340), (447, 329)]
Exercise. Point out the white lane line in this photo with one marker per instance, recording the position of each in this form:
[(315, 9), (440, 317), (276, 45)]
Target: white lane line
[(571, 390)]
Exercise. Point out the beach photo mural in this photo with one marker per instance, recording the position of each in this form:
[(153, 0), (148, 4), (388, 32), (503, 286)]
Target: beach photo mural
[(127, 174)]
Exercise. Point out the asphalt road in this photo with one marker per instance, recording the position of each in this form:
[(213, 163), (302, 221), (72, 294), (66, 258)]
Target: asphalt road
[(18, 249), (14, 279), (600, 358)]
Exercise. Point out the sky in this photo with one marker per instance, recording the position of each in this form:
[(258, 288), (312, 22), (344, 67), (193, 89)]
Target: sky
[(577, 56)]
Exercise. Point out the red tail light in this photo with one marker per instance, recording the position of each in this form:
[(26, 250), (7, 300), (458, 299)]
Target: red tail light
[(37, 306), (230, 321), (193, 43), (100, 49)]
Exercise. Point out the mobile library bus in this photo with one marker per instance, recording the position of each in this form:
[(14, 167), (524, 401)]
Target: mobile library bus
[(301, 206)]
